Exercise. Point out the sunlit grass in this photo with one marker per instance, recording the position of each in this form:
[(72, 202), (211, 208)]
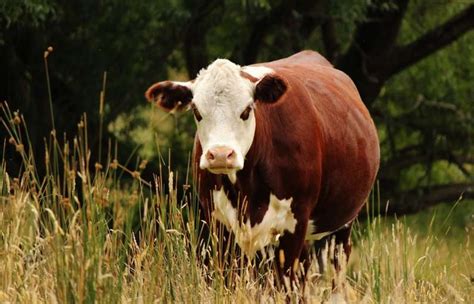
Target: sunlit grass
[(98, 233)]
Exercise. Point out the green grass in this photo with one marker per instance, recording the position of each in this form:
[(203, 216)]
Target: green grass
[(106, 236)]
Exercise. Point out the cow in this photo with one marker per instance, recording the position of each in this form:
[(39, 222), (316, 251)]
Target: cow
[(285, 151)]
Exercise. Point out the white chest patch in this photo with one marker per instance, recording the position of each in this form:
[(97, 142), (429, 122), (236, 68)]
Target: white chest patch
[(275, 222)]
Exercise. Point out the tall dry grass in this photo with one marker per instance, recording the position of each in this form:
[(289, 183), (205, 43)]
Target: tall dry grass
[(103, 235)]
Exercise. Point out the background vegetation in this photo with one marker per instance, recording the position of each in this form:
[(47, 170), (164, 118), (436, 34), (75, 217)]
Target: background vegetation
[(412, 60)]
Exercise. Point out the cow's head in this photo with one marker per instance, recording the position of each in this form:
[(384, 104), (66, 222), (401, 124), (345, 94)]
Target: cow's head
[(223, 98)]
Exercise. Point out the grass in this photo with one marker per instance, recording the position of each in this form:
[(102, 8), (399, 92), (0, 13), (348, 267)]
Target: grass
[(98, 235)]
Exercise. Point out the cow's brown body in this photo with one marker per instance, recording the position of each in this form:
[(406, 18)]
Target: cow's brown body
[(317, 145)]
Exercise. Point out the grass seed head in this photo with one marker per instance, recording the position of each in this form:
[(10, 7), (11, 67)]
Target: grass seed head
[(16, 119), (114, 164), (98, 166), (143, 164), (20, 148), (48, 51), (136, 174)]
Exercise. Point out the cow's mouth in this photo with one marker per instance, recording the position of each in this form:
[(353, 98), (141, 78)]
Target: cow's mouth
[(222, 170)]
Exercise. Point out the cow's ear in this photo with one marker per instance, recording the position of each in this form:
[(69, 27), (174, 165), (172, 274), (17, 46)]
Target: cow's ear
[(170, 95), (270, 88)]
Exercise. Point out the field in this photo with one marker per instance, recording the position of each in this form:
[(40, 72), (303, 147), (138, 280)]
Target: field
[(107, 236)]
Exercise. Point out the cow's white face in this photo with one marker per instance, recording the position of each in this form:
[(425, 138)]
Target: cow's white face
[(223, 107), (222, 98)]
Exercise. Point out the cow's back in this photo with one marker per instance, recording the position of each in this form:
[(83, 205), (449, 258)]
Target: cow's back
[(303, 58)]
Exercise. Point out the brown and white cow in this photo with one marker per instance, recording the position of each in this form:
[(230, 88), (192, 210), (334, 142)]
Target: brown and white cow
[(285, 151)]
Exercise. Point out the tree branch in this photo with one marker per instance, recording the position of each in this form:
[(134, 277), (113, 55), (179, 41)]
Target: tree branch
[(421, 198), (432, 41), (395, 165)]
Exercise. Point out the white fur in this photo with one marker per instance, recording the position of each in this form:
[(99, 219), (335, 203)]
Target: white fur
[(187, 84), (257, 71), (277, 220), (221, 94)]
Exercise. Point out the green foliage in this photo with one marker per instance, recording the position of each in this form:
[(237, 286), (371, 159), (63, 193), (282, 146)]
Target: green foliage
[(24, 13), (423, 16), (347, 15), (156, 134), (31, 13)]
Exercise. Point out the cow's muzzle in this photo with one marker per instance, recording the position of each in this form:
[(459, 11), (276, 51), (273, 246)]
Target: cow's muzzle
[(221, 160)]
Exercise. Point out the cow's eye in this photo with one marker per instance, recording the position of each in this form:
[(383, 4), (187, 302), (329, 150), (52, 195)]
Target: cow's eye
[(196, 113), (245, 114)]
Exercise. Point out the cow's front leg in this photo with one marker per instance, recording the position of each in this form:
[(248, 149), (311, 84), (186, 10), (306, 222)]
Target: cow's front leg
[(292, 251)]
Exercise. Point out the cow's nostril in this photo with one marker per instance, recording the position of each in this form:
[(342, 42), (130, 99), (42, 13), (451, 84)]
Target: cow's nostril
[(210, 155), (230, 154)]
